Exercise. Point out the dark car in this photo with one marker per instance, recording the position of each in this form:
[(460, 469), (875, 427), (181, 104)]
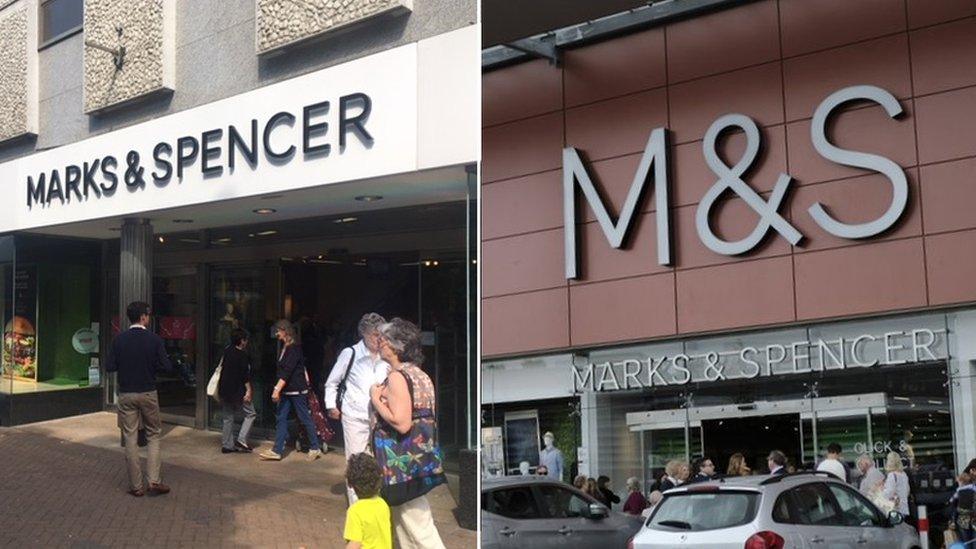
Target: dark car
[(527, 512)]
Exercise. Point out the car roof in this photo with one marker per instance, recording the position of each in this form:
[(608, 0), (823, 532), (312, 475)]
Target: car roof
[(759, 482), (518, 480)]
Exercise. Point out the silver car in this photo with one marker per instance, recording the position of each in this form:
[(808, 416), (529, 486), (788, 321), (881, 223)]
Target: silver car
[(528, 512), (800, 510)]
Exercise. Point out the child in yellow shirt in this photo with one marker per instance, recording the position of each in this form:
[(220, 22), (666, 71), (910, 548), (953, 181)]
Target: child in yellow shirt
[(368, 520)]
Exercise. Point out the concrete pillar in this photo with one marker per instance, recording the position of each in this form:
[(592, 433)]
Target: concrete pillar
[(135, 265)]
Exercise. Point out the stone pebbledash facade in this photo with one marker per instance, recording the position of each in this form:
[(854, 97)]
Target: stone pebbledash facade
[(283, 22), (18, 70), (148, 35)]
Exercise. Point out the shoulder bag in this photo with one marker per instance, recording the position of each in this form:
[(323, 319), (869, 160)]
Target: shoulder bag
[(341, 390), (215, 380), (411, 463)]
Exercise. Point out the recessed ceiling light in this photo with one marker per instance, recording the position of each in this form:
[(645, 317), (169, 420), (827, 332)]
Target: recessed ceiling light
[(222, 240), (345, 220), (162, 240), (190, 240), (266, 233), (369, 197), (182, 221), (264, 211)]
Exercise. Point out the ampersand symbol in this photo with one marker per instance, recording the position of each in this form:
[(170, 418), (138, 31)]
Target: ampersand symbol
[(134, 172), (713, 365), (731, 178)]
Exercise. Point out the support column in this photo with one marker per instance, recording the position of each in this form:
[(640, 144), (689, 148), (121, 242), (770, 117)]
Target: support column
[(135, 265)]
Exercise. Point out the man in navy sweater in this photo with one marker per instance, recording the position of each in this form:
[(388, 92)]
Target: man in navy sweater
[(135, 355)]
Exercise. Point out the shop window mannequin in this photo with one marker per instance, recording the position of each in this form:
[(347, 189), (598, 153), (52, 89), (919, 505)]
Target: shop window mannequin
[(551, 457)]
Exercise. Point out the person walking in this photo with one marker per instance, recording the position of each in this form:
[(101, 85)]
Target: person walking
[(136, 355), (291, 392), (962, 506), (234, 390), (896, 487), (635, 503), (704, 470), (776, 463), (832, 463), (737, 466), (672, 475), (357, 369), (872, 480), (367, 520), (403, 438), (606, 493)]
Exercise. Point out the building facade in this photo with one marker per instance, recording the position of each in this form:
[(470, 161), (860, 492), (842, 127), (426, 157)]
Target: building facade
[(232, 163), (734, 231)]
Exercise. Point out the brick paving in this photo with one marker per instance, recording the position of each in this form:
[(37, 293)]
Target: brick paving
[(69, 491)]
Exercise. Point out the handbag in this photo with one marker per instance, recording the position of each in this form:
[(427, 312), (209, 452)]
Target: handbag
[(322, 429), (215, 380), (950, 535), (411, 463), (341, 389)]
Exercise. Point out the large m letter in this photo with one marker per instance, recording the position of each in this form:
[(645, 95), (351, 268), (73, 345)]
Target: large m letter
[(574, 172)]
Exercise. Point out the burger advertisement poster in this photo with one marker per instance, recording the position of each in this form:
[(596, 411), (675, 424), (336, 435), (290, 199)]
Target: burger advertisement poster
[(19, 335)]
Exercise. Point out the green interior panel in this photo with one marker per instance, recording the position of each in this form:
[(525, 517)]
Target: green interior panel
[(64, 308)]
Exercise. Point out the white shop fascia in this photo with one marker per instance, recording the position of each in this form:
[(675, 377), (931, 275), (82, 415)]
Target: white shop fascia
[(404, 110)]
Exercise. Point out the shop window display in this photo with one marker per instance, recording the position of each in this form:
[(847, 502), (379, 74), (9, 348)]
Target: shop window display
[(51, 329)]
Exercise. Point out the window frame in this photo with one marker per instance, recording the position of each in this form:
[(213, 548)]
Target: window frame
[(533, 498), (858, 497), (794, 508), (544, 509), (44, 44)]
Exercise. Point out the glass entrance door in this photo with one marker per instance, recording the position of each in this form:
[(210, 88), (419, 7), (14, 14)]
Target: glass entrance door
[(174, 306)]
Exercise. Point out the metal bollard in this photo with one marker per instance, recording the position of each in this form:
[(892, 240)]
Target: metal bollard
[(923, 527)]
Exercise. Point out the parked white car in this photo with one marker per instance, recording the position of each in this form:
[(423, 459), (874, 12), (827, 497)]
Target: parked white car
[(801, 510)]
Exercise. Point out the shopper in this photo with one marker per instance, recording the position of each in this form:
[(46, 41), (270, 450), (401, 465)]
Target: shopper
[(653, 499), (591, 489), (579, 482), (896, 487), (776, 463), (608, 497), (542, 471), (636, 502), (961, 505), (136, 355), (737, 466), (234, 390), (368, 519), (872, 480), (672, 475), (403, 439), (356, 370), (290, 393), (832, 463), (704, 470)]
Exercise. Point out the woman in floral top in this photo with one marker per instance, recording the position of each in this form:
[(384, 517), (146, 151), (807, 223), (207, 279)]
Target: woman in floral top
[(405, 402)]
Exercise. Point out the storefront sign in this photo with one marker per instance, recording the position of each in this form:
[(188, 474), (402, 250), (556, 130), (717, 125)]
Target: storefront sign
[(209, 152), (349, 122), (730, 178), (750, 362)]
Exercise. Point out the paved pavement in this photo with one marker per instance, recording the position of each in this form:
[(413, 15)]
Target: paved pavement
[(63, 483)]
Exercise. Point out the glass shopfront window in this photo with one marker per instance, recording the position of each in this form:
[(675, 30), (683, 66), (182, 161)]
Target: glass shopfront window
[(52, 333)]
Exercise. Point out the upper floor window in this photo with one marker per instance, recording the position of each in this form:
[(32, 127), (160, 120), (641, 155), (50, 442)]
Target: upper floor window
[(60, 18)]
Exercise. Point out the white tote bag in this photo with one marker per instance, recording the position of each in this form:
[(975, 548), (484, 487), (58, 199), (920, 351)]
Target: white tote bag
[(215, 380)]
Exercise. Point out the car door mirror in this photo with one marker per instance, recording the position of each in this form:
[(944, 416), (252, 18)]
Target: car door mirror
[(596, 512), (895, 518)]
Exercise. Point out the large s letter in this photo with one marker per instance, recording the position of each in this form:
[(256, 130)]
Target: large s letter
[(880, 164)]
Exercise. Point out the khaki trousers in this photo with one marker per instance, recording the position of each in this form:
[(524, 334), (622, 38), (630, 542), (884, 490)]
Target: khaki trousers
[(134, 407), (414, 526)]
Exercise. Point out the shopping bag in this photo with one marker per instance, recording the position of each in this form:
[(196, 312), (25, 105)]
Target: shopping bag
[(318, 418), (215, 380)]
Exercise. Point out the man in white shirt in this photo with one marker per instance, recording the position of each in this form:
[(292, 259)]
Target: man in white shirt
[(361, 367), (833, 464)]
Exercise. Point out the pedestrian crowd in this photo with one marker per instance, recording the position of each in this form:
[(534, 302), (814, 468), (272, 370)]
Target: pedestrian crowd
[(377, 390)]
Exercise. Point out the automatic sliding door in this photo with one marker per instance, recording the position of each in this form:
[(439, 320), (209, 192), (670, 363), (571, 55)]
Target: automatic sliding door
[(174, 306)]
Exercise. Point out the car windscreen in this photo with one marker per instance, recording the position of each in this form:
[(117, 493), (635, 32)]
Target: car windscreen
[(700, 511)]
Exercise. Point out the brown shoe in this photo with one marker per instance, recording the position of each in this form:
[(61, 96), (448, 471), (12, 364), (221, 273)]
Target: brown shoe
[(158, 489), (137, 492)]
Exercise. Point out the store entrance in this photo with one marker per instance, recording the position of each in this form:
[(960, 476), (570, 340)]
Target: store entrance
[(753, 437)]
